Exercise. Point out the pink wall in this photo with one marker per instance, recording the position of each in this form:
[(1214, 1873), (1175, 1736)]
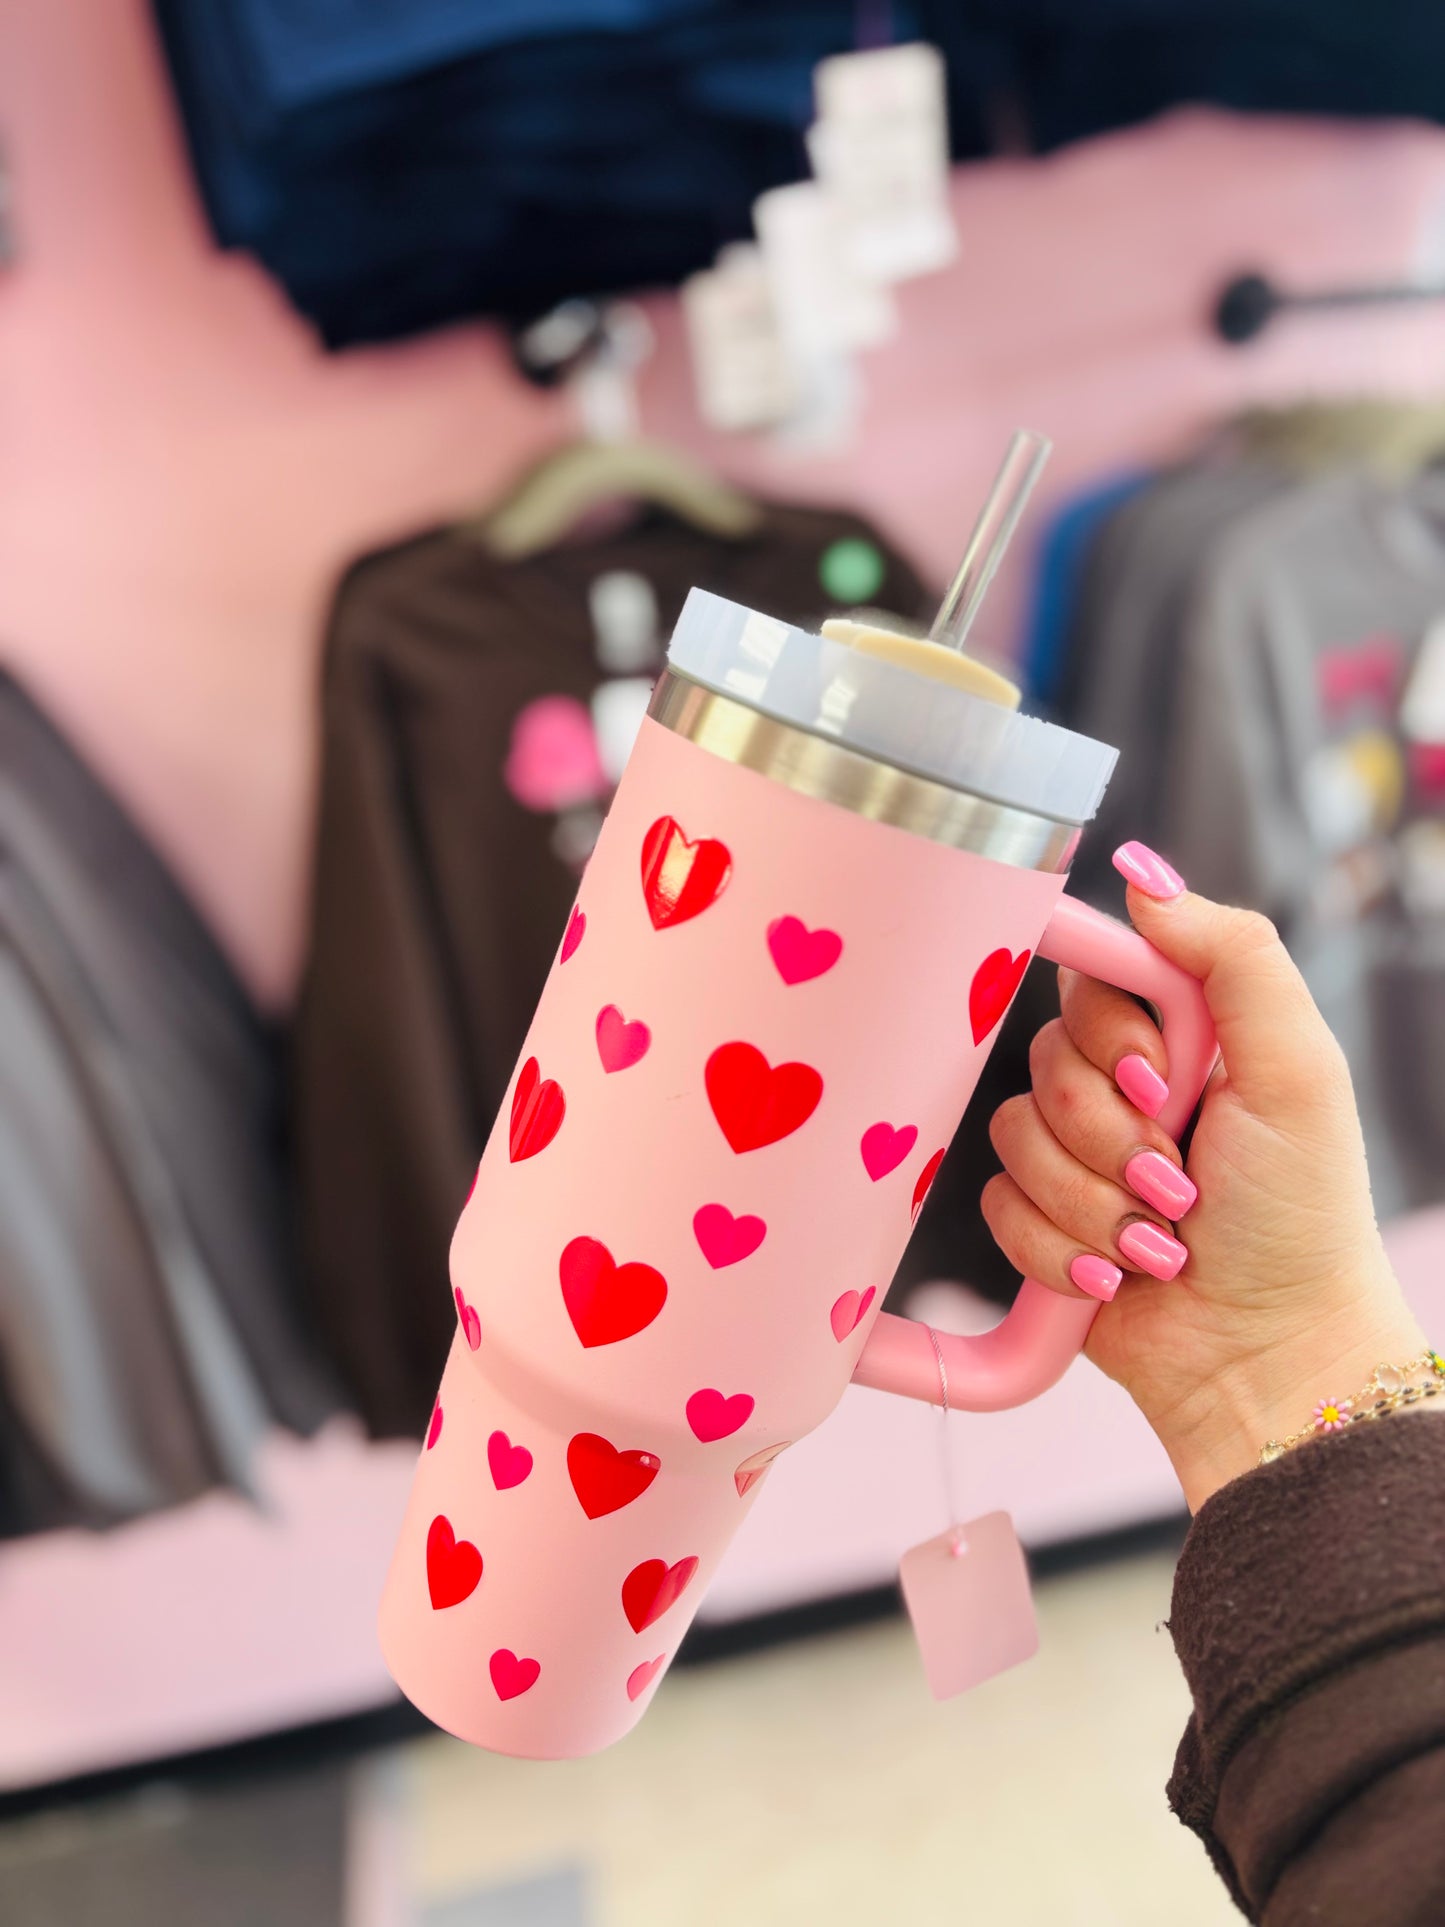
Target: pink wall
[(183, 472)]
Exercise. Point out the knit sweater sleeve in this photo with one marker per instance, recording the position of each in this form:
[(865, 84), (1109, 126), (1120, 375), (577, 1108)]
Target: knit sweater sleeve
[(1309, 1617)]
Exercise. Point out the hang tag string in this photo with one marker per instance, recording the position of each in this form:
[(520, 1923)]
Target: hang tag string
[(959, 1544)]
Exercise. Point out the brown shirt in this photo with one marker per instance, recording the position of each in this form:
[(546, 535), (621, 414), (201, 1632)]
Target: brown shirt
[(443, 879), (1309, 1616)]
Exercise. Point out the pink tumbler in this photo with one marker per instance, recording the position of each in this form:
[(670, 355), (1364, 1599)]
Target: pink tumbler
[(819, 885)]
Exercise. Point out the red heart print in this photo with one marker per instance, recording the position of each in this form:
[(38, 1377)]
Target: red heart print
[(799, 953), (754, 1103), (453, 1565), (509, 1463), (434, 1430), (606, 1301), (726, 1240), (575, 932), (510, 1675), (993, 986), (471, 1324), (925, 1181), (712, 1416), (641, 1677), (538, 1108), (681, 879), (751, 1470), (605, 1479), (649, 1589), (849, 1311), (620, 1045), (884, 1149)]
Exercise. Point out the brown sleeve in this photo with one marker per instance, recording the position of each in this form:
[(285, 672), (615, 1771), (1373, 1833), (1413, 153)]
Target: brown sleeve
[(1309, 1617)]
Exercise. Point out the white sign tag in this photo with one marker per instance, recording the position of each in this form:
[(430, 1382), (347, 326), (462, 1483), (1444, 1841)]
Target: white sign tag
[(741, 365), (880, 146), (824, 305)]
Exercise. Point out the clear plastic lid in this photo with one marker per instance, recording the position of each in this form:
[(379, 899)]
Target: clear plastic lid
[(910, 721)]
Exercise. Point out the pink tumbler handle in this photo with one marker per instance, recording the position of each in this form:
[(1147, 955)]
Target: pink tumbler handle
[(1032, 1348)]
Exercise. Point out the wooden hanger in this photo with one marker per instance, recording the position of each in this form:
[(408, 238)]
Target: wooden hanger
[(554, 496)]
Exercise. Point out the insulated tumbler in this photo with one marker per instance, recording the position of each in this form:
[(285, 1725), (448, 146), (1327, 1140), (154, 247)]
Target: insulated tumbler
[(817, 889)]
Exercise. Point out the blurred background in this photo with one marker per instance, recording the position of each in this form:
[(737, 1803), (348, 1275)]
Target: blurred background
[(376, 376)]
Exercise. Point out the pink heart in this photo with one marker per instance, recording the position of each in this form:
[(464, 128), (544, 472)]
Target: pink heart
[(850, 1311), (724, 1239), (552, 763), (641, 1677), (510, 1675), (800, 953), (576, 931), (509, 1463), (471, 1323), (434, 1430), (884, 1149), (620, 1044), (712, 1416)]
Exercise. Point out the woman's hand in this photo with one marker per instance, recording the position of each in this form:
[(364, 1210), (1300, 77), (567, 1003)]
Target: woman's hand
[(1238, 1295)]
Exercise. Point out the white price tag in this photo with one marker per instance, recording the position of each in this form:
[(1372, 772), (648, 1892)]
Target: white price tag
[(741, 365), (824, 306), (880, 147), (1422, 709)]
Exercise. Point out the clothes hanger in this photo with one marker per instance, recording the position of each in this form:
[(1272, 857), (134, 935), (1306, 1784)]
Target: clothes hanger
[(597, 349), (563, 488)]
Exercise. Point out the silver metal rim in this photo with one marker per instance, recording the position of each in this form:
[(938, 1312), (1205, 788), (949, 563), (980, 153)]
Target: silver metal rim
[(830, 771)]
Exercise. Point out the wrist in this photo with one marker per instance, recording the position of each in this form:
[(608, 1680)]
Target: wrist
[(1219, 1433)]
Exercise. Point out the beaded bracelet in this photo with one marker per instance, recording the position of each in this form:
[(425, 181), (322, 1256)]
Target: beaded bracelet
[(1391, 1388)]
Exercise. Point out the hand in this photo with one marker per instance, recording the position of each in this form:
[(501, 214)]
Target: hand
[(1276, 1290)]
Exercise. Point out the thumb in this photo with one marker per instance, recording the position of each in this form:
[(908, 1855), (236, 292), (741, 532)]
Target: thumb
[(1273, 1040)]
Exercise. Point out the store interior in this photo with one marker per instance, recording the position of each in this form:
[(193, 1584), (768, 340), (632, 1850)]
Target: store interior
[(375, 383)]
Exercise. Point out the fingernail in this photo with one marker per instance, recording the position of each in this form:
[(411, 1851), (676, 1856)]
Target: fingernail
[(1154, 1178), (1096, 1276), (1147, 870), (1149, 1249), (1141, 1084)]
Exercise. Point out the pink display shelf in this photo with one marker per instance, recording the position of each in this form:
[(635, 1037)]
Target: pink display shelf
[(219, 1622)]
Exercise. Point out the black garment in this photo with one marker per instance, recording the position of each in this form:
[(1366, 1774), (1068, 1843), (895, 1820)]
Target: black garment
[(1077, 71), (402, 163), (400, 166), (147, 1328), (443, 883)]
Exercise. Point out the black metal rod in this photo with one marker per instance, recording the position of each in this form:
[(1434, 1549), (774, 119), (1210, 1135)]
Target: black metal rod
[(1248, 304)]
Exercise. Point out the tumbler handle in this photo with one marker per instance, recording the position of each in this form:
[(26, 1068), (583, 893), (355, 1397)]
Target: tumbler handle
[(1033, 1346)]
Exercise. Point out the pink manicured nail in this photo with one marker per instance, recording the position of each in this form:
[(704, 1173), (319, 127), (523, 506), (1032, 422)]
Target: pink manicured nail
[(1096, 1276), (1147, 870), (1152, 1177), (1149, 1249), (1141, 1084)]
